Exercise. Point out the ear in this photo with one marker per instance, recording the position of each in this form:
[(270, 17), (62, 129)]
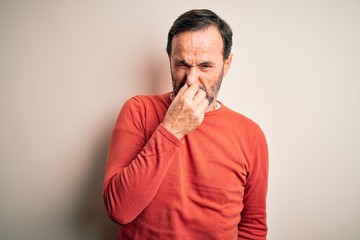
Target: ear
[(169, 57), (227, 64)]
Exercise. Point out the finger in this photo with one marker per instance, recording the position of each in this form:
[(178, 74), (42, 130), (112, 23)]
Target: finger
[(204, 105), (199, 96), (191, 91), (181, 91)]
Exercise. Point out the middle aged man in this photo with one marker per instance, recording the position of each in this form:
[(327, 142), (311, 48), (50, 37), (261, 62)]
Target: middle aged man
[(182, 165)]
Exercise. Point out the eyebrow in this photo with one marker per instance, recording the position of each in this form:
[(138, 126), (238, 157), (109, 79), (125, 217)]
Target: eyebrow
[(183, 62), (207, 63)]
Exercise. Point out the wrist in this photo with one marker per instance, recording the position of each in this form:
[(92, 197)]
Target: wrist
[(177, 134)]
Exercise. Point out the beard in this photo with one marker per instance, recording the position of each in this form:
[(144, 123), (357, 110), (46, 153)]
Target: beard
[(211, 94)]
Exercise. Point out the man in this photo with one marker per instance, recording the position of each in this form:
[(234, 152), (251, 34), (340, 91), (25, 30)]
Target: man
[(182, 165)]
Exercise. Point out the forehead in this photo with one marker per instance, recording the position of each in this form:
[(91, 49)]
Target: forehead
[(200, 42)]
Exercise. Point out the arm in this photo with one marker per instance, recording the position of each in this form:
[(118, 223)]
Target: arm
[(253, 217), (135, 168)]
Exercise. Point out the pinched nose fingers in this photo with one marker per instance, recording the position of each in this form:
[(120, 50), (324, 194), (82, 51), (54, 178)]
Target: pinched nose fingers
[(199, 96)]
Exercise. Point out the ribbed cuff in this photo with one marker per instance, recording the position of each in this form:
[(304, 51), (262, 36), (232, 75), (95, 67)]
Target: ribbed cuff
[(166, 133)]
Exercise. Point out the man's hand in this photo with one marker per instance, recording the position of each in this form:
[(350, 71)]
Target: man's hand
[(186, 111)]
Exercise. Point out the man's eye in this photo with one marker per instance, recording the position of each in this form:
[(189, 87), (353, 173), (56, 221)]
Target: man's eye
[(180, 65), (205, 66)]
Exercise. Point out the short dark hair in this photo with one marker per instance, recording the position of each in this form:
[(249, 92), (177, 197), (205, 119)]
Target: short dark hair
[(199, 19)]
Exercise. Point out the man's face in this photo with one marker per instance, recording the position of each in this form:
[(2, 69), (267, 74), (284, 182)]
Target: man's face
[(197, 58)]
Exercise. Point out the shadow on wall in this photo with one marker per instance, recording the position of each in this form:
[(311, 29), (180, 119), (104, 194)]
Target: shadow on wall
[(92, 221), (156, 73)]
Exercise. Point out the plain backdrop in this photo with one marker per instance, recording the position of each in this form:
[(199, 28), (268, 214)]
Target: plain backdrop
[(66, 68)]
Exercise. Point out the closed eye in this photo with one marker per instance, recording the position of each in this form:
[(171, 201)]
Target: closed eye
[(206, 66), (181, 64)]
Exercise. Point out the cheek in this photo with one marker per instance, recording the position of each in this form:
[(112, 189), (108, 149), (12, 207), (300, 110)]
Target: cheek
[(178, 74), (208, 79)]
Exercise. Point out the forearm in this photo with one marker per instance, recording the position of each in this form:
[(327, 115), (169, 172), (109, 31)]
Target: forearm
[(130, 189), (253, 223)]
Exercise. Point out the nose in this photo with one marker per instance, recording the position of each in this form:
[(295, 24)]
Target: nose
[(191, 76)]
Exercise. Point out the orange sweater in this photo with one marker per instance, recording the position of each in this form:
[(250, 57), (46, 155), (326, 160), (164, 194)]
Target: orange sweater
[(211, 184)]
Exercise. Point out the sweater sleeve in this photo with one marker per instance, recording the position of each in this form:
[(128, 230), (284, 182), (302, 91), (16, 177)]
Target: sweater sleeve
[(253, 217), (135, 168)]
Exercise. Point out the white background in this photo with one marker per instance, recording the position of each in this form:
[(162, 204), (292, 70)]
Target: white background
[(66, 68)]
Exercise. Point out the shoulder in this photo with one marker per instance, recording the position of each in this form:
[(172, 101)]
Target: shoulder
[(148, 110), (149, 100), (241, 125), (143, 102), (235, 118)]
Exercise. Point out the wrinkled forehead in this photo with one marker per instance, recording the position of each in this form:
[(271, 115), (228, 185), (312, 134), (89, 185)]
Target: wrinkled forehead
[(199, 42)]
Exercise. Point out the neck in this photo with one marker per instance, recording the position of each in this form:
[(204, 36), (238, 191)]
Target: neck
[(213, 106)]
